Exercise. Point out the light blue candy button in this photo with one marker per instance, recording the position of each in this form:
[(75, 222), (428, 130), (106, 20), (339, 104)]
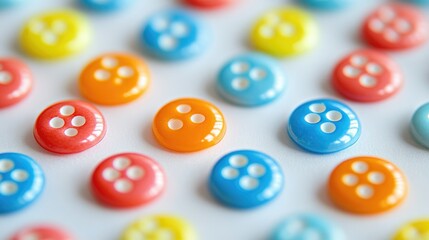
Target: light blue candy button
[(105, 5), (174, 35), (21, 181), (420, 125), (326, 4), (9, 3), (245, 179), (324, 126), (307, 227), (420, 2), (251, 80)]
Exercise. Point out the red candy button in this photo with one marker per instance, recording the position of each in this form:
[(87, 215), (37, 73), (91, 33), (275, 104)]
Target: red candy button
[(42, 233), (15, 82), (367, 76), (208, 3), (395, 26), (127, 180), (69, 127)]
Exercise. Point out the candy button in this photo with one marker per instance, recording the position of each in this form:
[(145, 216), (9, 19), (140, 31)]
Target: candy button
[(307, 227), (174, 35), (8, 3), (127, 180), (114, 79), (188, 125), (324, 126), (42, 233), (246, 179), (105, 5), (415, 230), (208, 3), (420, 125), (160, 227), (16, 82), (367, 76), (420, 2), (251, 80), (395, 26), (21, 182), (327, 4), (367, 185), (69, 127), (285, 32), (55, 35)]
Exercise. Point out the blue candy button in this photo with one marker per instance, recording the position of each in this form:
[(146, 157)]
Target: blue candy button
[(8, 3), (420, 125), (326, 4), (245, 179), (174, 35), (105, 5), (251, 80), (21, 181), (420, 2), (324, 126), (307, 227)]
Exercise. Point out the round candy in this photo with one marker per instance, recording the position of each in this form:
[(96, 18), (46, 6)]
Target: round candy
[(367, 185), (105, 5), (306, 227), (16, 82), (174, 35), (415, 230), (42, 233), (420, 125), (69, 127), (8, 3), (324, 126), (251, 80), (160, 227), (21, 182), (208, 3), (189, 125), (395, 27), (55, 35), (327, 4), (285, 32), (114, 79), (127, 180), (367, 76), (246, 179)]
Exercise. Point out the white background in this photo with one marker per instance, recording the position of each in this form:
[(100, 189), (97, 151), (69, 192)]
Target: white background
[(67, 201)]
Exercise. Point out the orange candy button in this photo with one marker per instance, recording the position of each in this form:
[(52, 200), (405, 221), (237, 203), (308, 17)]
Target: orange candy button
[(188, 125), (114, 79), (367, 185)]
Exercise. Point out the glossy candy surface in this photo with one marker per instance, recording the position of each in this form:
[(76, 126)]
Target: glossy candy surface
[(69, 127), (307, 227), (55, 35), (367, 185), (285, 32), (420, 125), (42, 233), (16, 82), (415, 230), (246, 179), (324, 126), (160, 227), (189, 125), (251, 80), (367, 76), (21, 182), (209, 4), (106, 5), (113, 79), (395, 27), (174, 35), (327, 4), (128, 180)]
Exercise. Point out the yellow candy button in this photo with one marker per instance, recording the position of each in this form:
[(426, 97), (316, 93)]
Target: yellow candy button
[(416, 230), (55, 35), (160, 227), (285, 32)]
